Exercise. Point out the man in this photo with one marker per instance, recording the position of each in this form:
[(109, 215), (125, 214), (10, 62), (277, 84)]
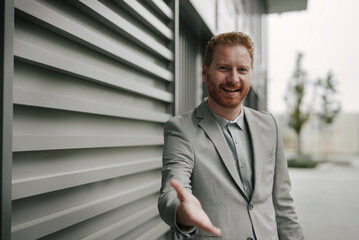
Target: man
[(224, 170)]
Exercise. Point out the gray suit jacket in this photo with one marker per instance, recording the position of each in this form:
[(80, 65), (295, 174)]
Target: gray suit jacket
[(196, 153)]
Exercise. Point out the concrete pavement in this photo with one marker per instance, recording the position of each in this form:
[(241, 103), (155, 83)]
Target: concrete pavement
[(327, 200)]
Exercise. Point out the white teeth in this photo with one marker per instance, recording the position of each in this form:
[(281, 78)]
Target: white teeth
[(230, 90)]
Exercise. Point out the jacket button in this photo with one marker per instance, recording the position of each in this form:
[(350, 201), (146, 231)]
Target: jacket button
[(250, 206), (249, 238)]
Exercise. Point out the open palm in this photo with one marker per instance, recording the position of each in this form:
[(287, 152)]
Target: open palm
[(190, 212)]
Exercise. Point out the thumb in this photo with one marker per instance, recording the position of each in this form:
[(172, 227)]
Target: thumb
[(209, 227)]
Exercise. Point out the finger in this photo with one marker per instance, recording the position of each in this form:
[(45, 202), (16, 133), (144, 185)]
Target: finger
[(179, 189)]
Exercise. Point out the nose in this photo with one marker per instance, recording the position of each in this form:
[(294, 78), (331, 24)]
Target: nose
[(233, 77)]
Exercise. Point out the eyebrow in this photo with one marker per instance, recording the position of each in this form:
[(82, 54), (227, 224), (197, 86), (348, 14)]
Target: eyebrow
[(225, 64), (244, 66)]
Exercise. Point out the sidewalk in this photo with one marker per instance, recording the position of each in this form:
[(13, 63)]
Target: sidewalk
[(327, 200)]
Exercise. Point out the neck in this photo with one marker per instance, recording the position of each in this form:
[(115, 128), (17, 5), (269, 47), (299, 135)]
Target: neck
[(227, 113)]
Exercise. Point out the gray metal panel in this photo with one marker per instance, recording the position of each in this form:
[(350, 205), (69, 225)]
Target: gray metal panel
[(190, 68), (148, 18), (75, 30), (90, 95), (176, 65), (6, 72)]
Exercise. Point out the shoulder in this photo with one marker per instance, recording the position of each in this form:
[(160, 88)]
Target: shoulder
[(263, 119), (259, 115), (181, 122)]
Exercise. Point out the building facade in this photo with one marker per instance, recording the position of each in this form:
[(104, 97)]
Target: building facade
[(86, 88)]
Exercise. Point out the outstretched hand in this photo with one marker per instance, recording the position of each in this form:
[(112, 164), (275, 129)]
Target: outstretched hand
[(190, 213)]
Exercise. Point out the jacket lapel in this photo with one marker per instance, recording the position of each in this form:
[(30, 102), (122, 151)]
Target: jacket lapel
[(256, 139), (210, 126)]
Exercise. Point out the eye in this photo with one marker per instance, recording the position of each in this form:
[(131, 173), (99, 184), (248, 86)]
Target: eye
[(242, 69), (223, 68)]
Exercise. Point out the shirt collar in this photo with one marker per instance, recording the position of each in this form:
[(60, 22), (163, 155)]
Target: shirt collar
[(239, 121)]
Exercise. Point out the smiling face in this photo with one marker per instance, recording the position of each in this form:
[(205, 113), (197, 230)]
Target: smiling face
[(228, 78)]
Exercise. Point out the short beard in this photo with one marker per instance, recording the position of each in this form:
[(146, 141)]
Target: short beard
[(225, 103)]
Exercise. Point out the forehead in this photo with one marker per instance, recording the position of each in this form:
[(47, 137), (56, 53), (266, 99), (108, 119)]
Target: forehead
[(233, 53)]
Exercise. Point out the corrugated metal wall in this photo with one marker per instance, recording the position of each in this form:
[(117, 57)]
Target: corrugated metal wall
[(190, 78), (91, 94)]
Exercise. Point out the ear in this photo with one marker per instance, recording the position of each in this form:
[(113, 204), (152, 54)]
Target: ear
[(204, 73)]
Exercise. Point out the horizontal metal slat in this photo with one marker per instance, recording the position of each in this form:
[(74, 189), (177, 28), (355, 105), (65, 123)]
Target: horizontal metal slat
[(156, 231), (123, 25), (119, 228), (48, 224), (37, 55), (22, 188), (35, 143), (72, 30), (162, 8), (147, 17), (29, 97), (41, 163), (98, 222)]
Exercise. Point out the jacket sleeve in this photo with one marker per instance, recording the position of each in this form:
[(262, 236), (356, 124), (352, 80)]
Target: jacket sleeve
[(286, 217), (177, 160)]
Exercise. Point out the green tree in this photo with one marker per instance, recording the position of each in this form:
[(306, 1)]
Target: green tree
[(329, 106), (296, 91)]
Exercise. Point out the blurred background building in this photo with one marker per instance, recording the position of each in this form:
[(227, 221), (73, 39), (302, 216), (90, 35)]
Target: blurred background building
[(86, 88), (340, 139)]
